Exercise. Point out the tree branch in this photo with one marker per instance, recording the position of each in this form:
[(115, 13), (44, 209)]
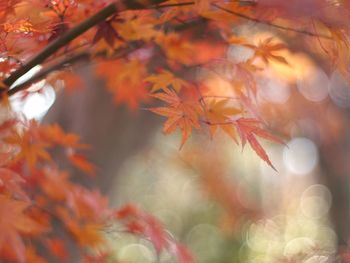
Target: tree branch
[(45, 72), (66, 62), (74, 33), (285, 28), (61, 42), (105, 13)]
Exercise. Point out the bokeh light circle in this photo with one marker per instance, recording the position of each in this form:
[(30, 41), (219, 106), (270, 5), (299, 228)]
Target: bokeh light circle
[(300, 156)]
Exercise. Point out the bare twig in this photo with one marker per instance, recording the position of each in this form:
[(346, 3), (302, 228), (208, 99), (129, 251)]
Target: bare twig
[(285, 28)]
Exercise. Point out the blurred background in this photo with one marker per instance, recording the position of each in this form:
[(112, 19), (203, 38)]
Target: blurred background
[(223, 202)]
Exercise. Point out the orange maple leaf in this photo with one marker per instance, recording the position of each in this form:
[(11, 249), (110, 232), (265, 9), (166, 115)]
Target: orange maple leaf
[(266, 50), (80, 161), (11, 183), (55, 184), (88, 204), (86, 233), (176, 48), (57, 248), (72, 81), (164, 80), (218, 114), (54, 134), (180, 114), (248, 129), (30, 150), (141, 223), (13, 223), (137, 28), (125, 80)]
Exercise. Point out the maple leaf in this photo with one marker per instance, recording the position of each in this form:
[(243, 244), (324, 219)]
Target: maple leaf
[(54, 134), (241, 75), (125, 80), (86, 233), (30, 150), (176, 48), (141, 223), (266, 50), (54, 184), (164, 80), (248, 129), (126, 211), (57, 248), (130, 94), (218, 114), (11, 182), (106, 31), (80, 161), (155, 232), (87, 204), (243, 72), (181, 114), (13, 223), (139, 28), (72, 82)]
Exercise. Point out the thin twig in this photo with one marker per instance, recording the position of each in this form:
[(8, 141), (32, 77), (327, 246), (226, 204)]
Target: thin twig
[(170, 5), (219, 97), (285, 28)]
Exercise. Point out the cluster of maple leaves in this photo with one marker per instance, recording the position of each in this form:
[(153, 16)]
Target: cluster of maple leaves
[(37, 198), (144, 51)]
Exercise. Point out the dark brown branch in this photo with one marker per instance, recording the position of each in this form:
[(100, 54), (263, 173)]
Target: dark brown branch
[(45, 72), (67, 62), (61, 42), (77, 31)]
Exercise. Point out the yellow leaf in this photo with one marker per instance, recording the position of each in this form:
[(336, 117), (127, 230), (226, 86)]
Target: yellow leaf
[(164, 80)]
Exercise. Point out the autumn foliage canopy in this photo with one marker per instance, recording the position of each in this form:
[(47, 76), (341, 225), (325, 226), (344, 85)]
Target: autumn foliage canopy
[(156, 56)]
